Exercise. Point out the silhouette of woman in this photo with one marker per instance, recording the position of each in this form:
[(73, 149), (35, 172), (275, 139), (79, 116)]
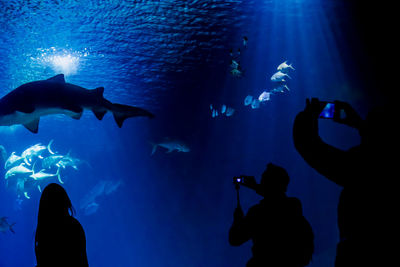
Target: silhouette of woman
[(60, 238)]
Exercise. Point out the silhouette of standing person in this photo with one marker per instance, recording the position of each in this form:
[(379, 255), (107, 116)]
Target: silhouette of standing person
[(364, 171), (281, 236), (60, 239)]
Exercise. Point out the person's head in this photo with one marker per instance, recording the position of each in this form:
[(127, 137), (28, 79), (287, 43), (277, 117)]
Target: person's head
[(274, 179), (54, 203)]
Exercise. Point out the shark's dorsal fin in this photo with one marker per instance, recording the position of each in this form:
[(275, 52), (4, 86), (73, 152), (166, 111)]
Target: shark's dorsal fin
[(98, 91), (32, 126), (58, 78)]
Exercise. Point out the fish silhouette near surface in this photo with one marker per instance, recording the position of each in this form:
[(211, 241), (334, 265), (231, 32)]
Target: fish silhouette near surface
[(171, 145), (89, 203), (27, 103), (5, 225)]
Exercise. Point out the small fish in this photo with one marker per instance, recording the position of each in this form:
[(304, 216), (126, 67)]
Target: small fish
[(211, 107), (35, 151), (279, 77), (223, 109), (284, 67), (248, 100), (67, 160), (265, 96), (13, 161), (17, 171), (280, 89), (93, 194), (41, 175), (103, 188), (112, 186), (234, 64), (229, 111), (245, 41), (5, 225), (91, 208), (51, 161), (172, 145), (214, 113), (236, 72), (255, 104), (231, 52)]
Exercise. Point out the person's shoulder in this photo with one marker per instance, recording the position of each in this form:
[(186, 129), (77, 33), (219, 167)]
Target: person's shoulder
[(255, 209), (74, 223), (295, 204)]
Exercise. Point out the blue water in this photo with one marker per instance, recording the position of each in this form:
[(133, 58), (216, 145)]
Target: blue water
[(172, 58)]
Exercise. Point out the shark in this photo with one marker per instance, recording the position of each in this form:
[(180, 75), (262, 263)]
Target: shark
[(27, 103), (171, 145)]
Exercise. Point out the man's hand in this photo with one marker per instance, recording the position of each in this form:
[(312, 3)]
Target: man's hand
[(313, 108)]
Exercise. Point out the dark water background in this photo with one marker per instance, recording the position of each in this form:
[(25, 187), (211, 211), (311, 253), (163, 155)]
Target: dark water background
[(172, 58)]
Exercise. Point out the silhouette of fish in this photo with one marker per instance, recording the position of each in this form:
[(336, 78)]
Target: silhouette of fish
[(27, 103)]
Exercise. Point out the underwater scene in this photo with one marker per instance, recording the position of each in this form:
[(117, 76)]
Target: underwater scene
[(145, 111)]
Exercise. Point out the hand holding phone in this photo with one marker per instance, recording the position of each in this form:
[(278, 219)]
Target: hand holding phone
[(340, 112), (328, 110), (245, 180)]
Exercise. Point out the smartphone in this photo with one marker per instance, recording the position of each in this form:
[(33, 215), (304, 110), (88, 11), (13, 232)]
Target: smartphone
[(332, 111), (328, 112), (238, 180)]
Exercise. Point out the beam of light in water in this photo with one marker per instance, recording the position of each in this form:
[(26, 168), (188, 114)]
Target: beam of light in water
[(64, 61), (65, 64)]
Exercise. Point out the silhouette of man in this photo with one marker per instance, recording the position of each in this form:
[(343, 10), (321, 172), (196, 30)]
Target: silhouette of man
[(60, 239), (281, 235), (364, 172)]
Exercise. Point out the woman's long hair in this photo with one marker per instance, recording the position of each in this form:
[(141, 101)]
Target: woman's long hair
[(54, 206)]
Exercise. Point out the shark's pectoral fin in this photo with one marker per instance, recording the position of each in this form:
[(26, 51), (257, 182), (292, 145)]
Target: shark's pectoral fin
[(57, 78), (32, 126)]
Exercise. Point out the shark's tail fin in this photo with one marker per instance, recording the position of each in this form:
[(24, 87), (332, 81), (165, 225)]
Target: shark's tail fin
[(154, 148), (122, 112), (11, 228)]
